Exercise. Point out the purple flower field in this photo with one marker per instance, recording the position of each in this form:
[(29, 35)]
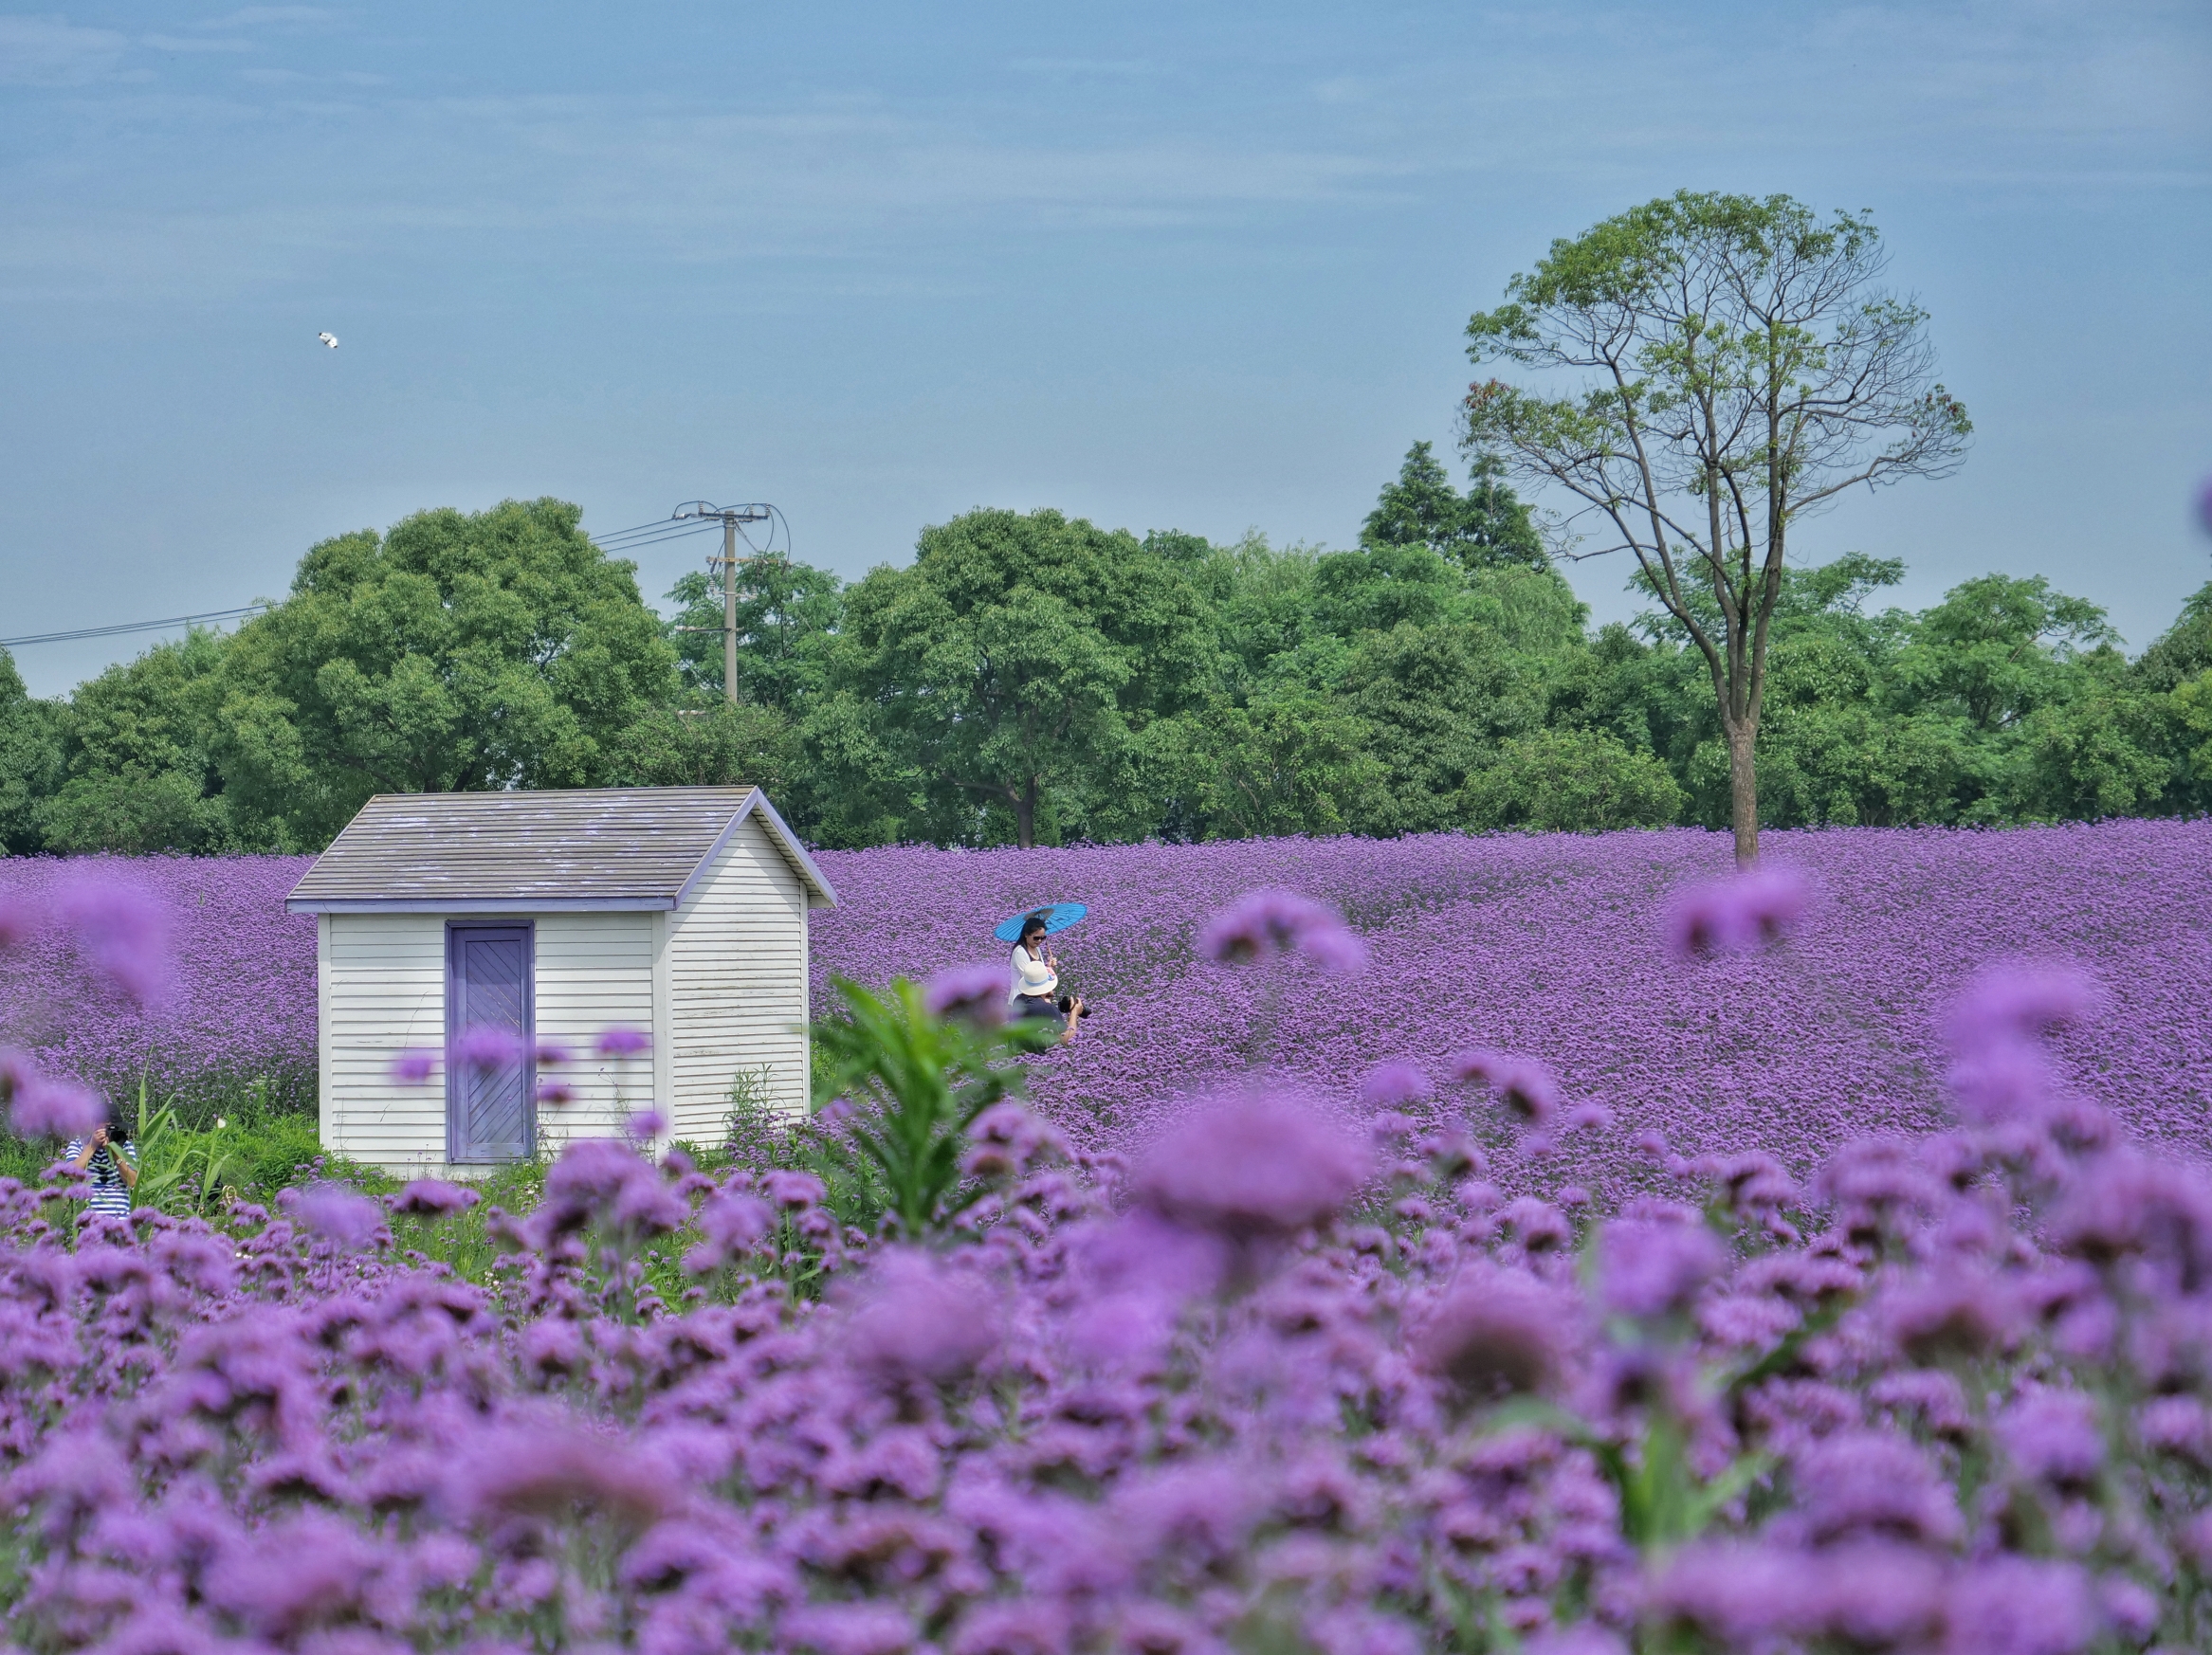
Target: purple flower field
[(1262, 1384), (1552, 947), (1549, 947), (236, 1004)]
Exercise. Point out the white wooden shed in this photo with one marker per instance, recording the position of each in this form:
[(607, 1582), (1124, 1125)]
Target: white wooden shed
[(679, 913)]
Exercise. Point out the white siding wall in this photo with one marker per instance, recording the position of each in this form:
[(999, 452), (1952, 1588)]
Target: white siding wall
[(594, 973), (738, 984), (383, 992)]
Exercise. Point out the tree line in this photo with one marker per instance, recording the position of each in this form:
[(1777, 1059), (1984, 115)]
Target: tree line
[(1031, 678), (1710, 370)]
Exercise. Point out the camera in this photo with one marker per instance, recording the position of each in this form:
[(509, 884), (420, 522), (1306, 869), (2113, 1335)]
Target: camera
[(1068, 1008)]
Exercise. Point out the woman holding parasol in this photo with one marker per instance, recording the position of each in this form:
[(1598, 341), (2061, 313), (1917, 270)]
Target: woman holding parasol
[(1036, 968)]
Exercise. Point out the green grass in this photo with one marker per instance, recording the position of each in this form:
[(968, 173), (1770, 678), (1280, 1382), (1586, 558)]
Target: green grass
[(250, 1151)]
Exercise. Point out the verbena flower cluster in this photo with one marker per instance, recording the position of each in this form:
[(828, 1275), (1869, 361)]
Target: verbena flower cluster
[(183, 972), (1570, 949), (1271, 1384)]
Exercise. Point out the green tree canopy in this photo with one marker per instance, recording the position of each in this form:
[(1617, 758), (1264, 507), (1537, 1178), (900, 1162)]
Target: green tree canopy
[(31, 759), (142, 772), (1014, 658), (1483, 528), (493, 649)]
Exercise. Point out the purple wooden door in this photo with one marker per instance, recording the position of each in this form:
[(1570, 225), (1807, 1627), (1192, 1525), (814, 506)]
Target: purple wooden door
[(490, 1111)]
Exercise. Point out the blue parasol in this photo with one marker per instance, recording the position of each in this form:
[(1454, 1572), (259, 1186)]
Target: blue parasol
[(1058, 916)]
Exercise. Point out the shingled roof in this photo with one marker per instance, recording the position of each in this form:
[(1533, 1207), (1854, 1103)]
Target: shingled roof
[(580, 849)]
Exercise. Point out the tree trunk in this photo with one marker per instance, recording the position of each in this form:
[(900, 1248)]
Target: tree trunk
[(1743, 792), (1025, 814)]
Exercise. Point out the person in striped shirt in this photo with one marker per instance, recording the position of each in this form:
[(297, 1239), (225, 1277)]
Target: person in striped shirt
[(113, 1161)]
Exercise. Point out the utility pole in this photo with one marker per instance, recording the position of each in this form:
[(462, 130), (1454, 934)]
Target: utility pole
[(731, 517), (729, 610)]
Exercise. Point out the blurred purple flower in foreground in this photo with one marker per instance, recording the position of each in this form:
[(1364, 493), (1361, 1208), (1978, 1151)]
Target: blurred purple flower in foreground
[(1497, 1333), (978, 993), (487, 1046), (2204, 505), (1265, 924), (19, 919), (413, 1066), (121, 930), (43, 1105), (1394, 1084), (1647, 1268), (1999, 1069), (339, 1214), (433, 1198), (1251, 1165), (920, 1320), (1524, 1084), (1736, 915), (620, 1043)]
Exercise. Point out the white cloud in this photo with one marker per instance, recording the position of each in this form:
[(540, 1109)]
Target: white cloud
[(52, 51)]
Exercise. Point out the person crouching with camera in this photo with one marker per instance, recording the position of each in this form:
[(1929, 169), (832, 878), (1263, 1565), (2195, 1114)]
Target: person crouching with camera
[(112, 1162)]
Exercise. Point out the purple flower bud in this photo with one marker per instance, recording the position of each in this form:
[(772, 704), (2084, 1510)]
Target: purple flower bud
[(1999, 1072), (853, 1629), (733, 1222), (1523, 1084), (1648, 1269), (1737, 915), (976, 992), (2019, 1003), (341, 1214), (620, 1043), (2131, 1608), (2125, 1204), (793, 1191), (1394, 1083), (1950, 1314), (1863, 1482), (1252, 1165), (1497, 1333), (2053, 1437), (1264, 924), (2015, 1605), (555, 1094), (486, 1046), (555, 1470), (304, 1572), (552, 1053), (645, 1125), (920, 1320), (413, 1066), (1742, 1593), (433, 1198)]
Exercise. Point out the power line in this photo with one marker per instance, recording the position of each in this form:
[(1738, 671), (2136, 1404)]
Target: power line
[(212, 616), (614, 540)]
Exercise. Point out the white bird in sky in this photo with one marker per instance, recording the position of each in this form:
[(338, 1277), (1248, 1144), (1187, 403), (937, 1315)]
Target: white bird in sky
[(330, 339)]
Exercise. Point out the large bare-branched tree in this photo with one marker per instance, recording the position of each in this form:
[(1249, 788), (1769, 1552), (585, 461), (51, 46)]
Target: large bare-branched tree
[(1737, 365)]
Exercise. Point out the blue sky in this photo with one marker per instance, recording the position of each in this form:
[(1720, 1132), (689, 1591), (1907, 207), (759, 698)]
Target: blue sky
[(1185, 265)]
